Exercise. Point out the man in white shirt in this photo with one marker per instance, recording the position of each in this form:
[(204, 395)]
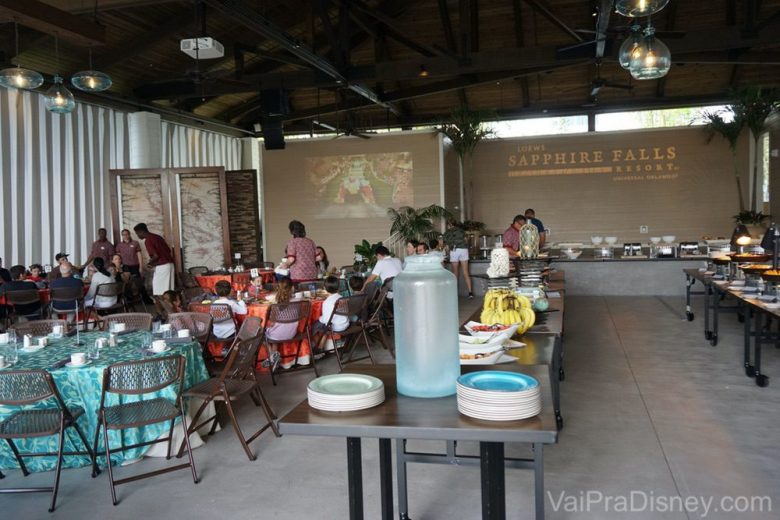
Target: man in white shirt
[(227, 328), (386, 266)]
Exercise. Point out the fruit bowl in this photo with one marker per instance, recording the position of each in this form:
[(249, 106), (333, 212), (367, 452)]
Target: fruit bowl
[(668, 239), (755, 268), (771, 275), (722, 260), (750, 257)]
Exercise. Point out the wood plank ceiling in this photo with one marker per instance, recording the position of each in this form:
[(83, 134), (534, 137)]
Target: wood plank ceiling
[(377, 63)]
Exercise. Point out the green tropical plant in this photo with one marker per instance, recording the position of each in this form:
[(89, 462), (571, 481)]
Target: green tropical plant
[(416, 223), (465, 129), (750, 217), (728, 124), (755, 105), (472, 225), (365, 255)]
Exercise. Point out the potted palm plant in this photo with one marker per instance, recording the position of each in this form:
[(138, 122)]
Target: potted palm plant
[(465, 130), (417, 223), (728, 124)]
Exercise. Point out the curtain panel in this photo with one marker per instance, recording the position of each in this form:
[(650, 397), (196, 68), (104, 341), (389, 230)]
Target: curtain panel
[(54, 187), (188, 147)]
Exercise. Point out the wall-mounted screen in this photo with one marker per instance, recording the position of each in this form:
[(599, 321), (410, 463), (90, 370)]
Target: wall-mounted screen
[(360, 186)]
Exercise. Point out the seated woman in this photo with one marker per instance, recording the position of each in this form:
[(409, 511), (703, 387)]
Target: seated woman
[(227, 328), (118, 269), (99, 277), (322, 262), (280, 331)]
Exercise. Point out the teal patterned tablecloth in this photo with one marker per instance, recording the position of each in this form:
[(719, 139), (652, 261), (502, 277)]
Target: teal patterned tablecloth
[(82, 386)]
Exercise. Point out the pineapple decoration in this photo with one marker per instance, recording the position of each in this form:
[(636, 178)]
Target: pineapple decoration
[(529, 241)]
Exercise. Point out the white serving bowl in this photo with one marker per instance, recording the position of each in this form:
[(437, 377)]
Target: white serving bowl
[(655, 240), (610, 240), (572, 254), (596, 240), (668, 239)]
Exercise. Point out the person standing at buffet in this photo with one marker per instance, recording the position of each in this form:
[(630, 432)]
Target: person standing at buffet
[(301, 254), (455, 239), (530, 214), (511, 237)]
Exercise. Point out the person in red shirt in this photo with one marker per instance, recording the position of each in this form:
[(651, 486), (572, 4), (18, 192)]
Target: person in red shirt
[(101, 248), (130, 251), (511, 237), (160, 257), (35, 274)]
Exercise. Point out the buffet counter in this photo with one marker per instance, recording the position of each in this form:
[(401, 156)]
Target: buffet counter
[(619, 276)]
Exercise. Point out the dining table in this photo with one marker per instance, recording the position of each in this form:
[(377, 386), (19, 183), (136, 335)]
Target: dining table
[(238, 281), (82, 386), (402, 418)]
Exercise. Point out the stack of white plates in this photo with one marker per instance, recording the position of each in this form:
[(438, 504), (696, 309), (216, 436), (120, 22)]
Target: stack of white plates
[(345, 392), (494, 395)]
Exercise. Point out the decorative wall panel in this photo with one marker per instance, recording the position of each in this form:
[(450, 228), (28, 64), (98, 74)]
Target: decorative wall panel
[(244, 217), (141, 202), (201, 221)]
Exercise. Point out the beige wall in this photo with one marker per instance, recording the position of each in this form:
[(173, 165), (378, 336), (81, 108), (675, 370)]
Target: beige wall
[(688, 192), (288, 194)]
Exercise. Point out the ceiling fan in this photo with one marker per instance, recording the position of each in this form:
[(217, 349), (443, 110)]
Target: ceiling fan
[(598, 83)]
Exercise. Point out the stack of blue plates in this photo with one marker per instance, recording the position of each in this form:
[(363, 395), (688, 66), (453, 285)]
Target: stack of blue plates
[(494, 395)]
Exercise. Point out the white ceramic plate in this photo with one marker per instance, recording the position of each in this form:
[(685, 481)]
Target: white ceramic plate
[(509, 331), (490, 359)]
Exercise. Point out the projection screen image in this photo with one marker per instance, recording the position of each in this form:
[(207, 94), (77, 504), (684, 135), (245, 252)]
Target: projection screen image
[(360, 186)]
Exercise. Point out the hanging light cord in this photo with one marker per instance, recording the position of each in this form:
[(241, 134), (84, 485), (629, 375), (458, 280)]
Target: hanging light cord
[(16, 33)]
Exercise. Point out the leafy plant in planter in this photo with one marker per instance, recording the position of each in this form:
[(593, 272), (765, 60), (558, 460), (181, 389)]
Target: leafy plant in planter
[(728, 124), (472, 226), (365, 256), (756, 105), (749, 217), (416, 224), (466, 129)]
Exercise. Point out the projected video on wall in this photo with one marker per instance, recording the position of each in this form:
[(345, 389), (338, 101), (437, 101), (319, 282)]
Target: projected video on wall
[(360, 186)]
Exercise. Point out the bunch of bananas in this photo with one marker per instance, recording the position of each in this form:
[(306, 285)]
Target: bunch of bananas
[(505, 307)]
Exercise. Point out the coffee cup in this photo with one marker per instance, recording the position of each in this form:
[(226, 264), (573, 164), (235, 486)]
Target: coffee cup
[(57, 331), (158, 345), (298, 295), (79, 358), (183, 333), (42, 342), (307, 294), (165, 327), (4, 338), (119, 327)]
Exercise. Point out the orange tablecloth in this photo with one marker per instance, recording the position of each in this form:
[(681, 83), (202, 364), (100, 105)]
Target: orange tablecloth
[(44, 294), (289, 349), (239, 281)]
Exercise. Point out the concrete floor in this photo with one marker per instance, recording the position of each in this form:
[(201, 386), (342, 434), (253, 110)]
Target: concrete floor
[(651, 412)]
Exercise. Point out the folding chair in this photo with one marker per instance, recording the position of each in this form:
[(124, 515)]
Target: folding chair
[(131, 320), (64, 300), (39, 327), (138, 378), (20, 298), (291, 312), (349, 306), (134, 294), (376, 322), (236, 380), (109, 290), (220, 313), (27, 388)]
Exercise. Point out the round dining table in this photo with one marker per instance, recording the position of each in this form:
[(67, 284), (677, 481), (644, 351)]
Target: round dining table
[(82, 386), (238, 281)]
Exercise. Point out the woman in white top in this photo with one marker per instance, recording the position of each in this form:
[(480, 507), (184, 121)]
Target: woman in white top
[(101, 276)]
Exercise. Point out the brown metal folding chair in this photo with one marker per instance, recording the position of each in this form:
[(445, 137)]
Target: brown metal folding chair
[(137, 378), (20, 298), (61, 301), (131, 320), (291, 312), (39, 327), (236, 380), (28, 388), (116, 290), (349, 307)]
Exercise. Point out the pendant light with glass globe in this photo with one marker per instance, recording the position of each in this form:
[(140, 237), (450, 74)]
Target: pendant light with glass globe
[(628, 46), (651, 58), (639, 8), (19, 77), (91, 80), (58, 98)]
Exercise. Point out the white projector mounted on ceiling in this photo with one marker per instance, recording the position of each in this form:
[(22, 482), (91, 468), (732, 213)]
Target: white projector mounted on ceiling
[(207, 48)]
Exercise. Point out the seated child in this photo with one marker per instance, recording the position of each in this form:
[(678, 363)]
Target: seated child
[(227, 328), (339, 322), (280, 331), (172, 300)]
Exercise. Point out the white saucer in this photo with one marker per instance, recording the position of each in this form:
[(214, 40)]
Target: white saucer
[(166, 349), (7, 365), (71, 365)]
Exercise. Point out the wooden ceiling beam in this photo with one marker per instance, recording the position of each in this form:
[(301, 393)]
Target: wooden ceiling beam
[(50, 20), (541, 7), (104, 5), (144, 40), (449, 38), (517, 11)]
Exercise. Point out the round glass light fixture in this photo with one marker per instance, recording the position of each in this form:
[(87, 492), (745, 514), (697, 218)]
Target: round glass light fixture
[(91, 81), (650, 59), (628, 46), (59, 99), (639, 8), (18, 77)]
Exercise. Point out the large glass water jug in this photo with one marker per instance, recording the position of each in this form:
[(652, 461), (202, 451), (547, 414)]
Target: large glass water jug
[(425, 303)]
